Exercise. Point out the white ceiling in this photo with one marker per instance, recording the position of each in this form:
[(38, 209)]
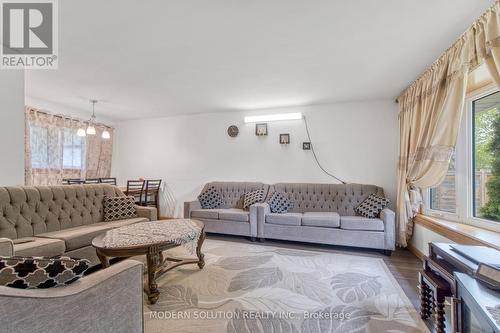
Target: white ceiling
[(157, 58)]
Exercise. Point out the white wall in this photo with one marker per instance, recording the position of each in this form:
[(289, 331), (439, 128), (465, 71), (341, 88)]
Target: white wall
[(355, 141), (12, 127), (423, 236)]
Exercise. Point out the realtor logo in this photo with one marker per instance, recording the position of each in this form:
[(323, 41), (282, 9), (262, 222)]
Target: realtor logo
[(29, 34)]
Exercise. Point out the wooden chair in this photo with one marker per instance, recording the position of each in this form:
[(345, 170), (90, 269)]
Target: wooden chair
[(91, 181), (135, 188), (152, 194), (110, 180)]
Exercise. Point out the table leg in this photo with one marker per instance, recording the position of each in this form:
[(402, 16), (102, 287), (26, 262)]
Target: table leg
[(104, 260), (201, 256), (425, 299), (153, 257), (439, 314)]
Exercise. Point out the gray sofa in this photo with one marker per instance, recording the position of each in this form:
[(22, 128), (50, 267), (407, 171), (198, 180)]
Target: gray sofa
[(109, 300), (230, 218), (324, 213), (55, 220)]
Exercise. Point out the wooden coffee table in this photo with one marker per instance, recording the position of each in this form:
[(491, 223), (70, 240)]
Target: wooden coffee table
[(151, 238)]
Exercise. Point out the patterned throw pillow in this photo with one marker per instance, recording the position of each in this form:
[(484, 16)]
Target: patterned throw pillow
[(39, 272), (210, 198), (119, 208), (253, 197), (279, 203), (372, 206)]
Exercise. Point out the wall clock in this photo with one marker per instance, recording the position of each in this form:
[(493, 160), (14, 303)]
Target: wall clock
[(233, 131)]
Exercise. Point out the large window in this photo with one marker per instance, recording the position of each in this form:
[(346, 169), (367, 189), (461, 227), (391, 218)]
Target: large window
[(470, 192), (56, 148)]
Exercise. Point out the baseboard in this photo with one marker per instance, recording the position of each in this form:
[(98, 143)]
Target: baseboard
[(415, 251)]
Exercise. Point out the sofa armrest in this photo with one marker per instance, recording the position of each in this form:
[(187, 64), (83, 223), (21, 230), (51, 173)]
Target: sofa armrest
[(6, 247), (262, 209), (190, 206), (110, 298), (389, 219), (150, 213)]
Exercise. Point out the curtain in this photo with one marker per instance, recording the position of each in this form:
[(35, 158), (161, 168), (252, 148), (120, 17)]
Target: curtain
[(98, 154), (431, 111), (54, 152)]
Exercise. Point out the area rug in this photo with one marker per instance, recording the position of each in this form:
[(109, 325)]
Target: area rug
[(254, 288)]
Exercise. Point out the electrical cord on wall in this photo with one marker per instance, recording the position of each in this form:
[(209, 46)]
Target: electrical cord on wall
[(314, 154)]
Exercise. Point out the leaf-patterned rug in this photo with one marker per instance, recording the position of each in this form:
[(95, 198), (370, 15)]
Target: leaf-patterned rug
[(254, 288)]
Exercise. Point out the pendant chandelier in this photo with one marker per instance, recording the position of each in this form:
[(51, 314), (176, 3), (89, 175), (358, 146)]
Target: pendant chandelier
[(91, 125)]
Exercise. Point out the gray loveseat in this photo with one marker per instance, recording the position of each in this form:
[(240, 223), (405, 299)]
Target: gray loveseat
[(230, 218), (55, 220), (324, 213)]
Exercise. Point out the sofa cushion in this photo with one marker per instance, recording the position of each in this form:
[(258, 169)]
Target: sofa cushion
[(284, 218), (372, 206), (210, 198), (33, 272), (77, 237), (119, 208), (234, 214), (205, 213), (321, 219), (361, 223), (279, 203), (40, 247)]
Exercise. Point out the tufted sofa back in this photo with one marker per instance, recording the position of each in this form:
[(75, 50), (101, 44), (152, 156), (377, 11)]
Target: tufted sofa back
[(232, 192), (340, 198), (28, 211)]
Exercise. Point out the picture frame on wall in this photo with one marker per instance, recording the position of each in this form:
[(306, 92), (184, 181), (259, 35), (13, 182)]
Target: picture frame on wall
[(306, 145), (261, 129), (285, 139)]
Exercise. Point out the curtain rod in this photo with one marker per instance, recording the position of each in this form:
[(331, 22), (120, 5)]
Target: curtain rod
[(67, 117)]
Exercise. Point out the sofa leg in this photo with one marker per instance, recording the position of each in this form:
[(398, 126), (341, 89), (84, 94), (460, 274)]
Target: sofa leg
[(387, 252), (261, 239), (252, 239)]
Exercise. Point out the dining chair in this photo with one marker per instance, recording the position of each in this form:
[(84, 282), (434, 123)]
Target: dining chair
[(109, 180), (135, 188), (91, 181), (152, 194), (73, 181)]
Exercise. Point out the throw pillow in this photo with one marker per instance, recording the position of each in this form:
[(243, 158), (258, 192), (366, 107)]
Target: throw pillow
[(279, 203), (38, 272), (253, 197), (119, 208), (210, 198), (372, 206)]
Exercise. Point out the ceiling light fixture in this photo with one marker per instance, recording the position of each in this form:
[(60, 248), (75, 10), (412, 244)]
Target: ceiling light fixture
[(273, 117), (91, 127)]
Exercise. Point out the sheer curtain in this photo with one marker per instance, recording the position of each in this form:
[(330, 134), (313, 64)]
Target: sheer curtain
[(54, 152), (430, 113)]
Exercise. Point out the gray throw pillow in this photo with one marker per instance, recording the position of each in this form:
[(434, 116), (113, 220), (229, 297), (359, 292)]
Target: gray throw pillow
[(372, 206), (279, 203), (119, 208), (39, 272), (210, 198)]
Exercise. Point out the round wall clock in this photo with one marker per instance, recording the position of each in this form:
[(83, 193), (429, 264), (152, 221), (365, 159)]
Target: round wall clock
[(232, 131)]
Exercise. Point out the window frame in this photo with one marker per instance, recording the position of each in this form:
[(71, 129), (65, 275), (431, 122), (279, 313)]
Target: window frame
[(464, 170)]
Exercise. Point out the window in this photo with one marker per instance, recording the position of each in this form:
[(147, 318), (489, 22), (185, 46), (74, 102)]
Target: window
[(73, 149), (56, 148), (486, 158), (470, 192)]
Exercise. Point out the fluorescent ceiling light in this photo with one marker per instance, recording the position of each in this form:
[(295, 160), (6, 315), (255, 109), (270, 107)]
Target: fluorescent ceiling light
[(273, 117)]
